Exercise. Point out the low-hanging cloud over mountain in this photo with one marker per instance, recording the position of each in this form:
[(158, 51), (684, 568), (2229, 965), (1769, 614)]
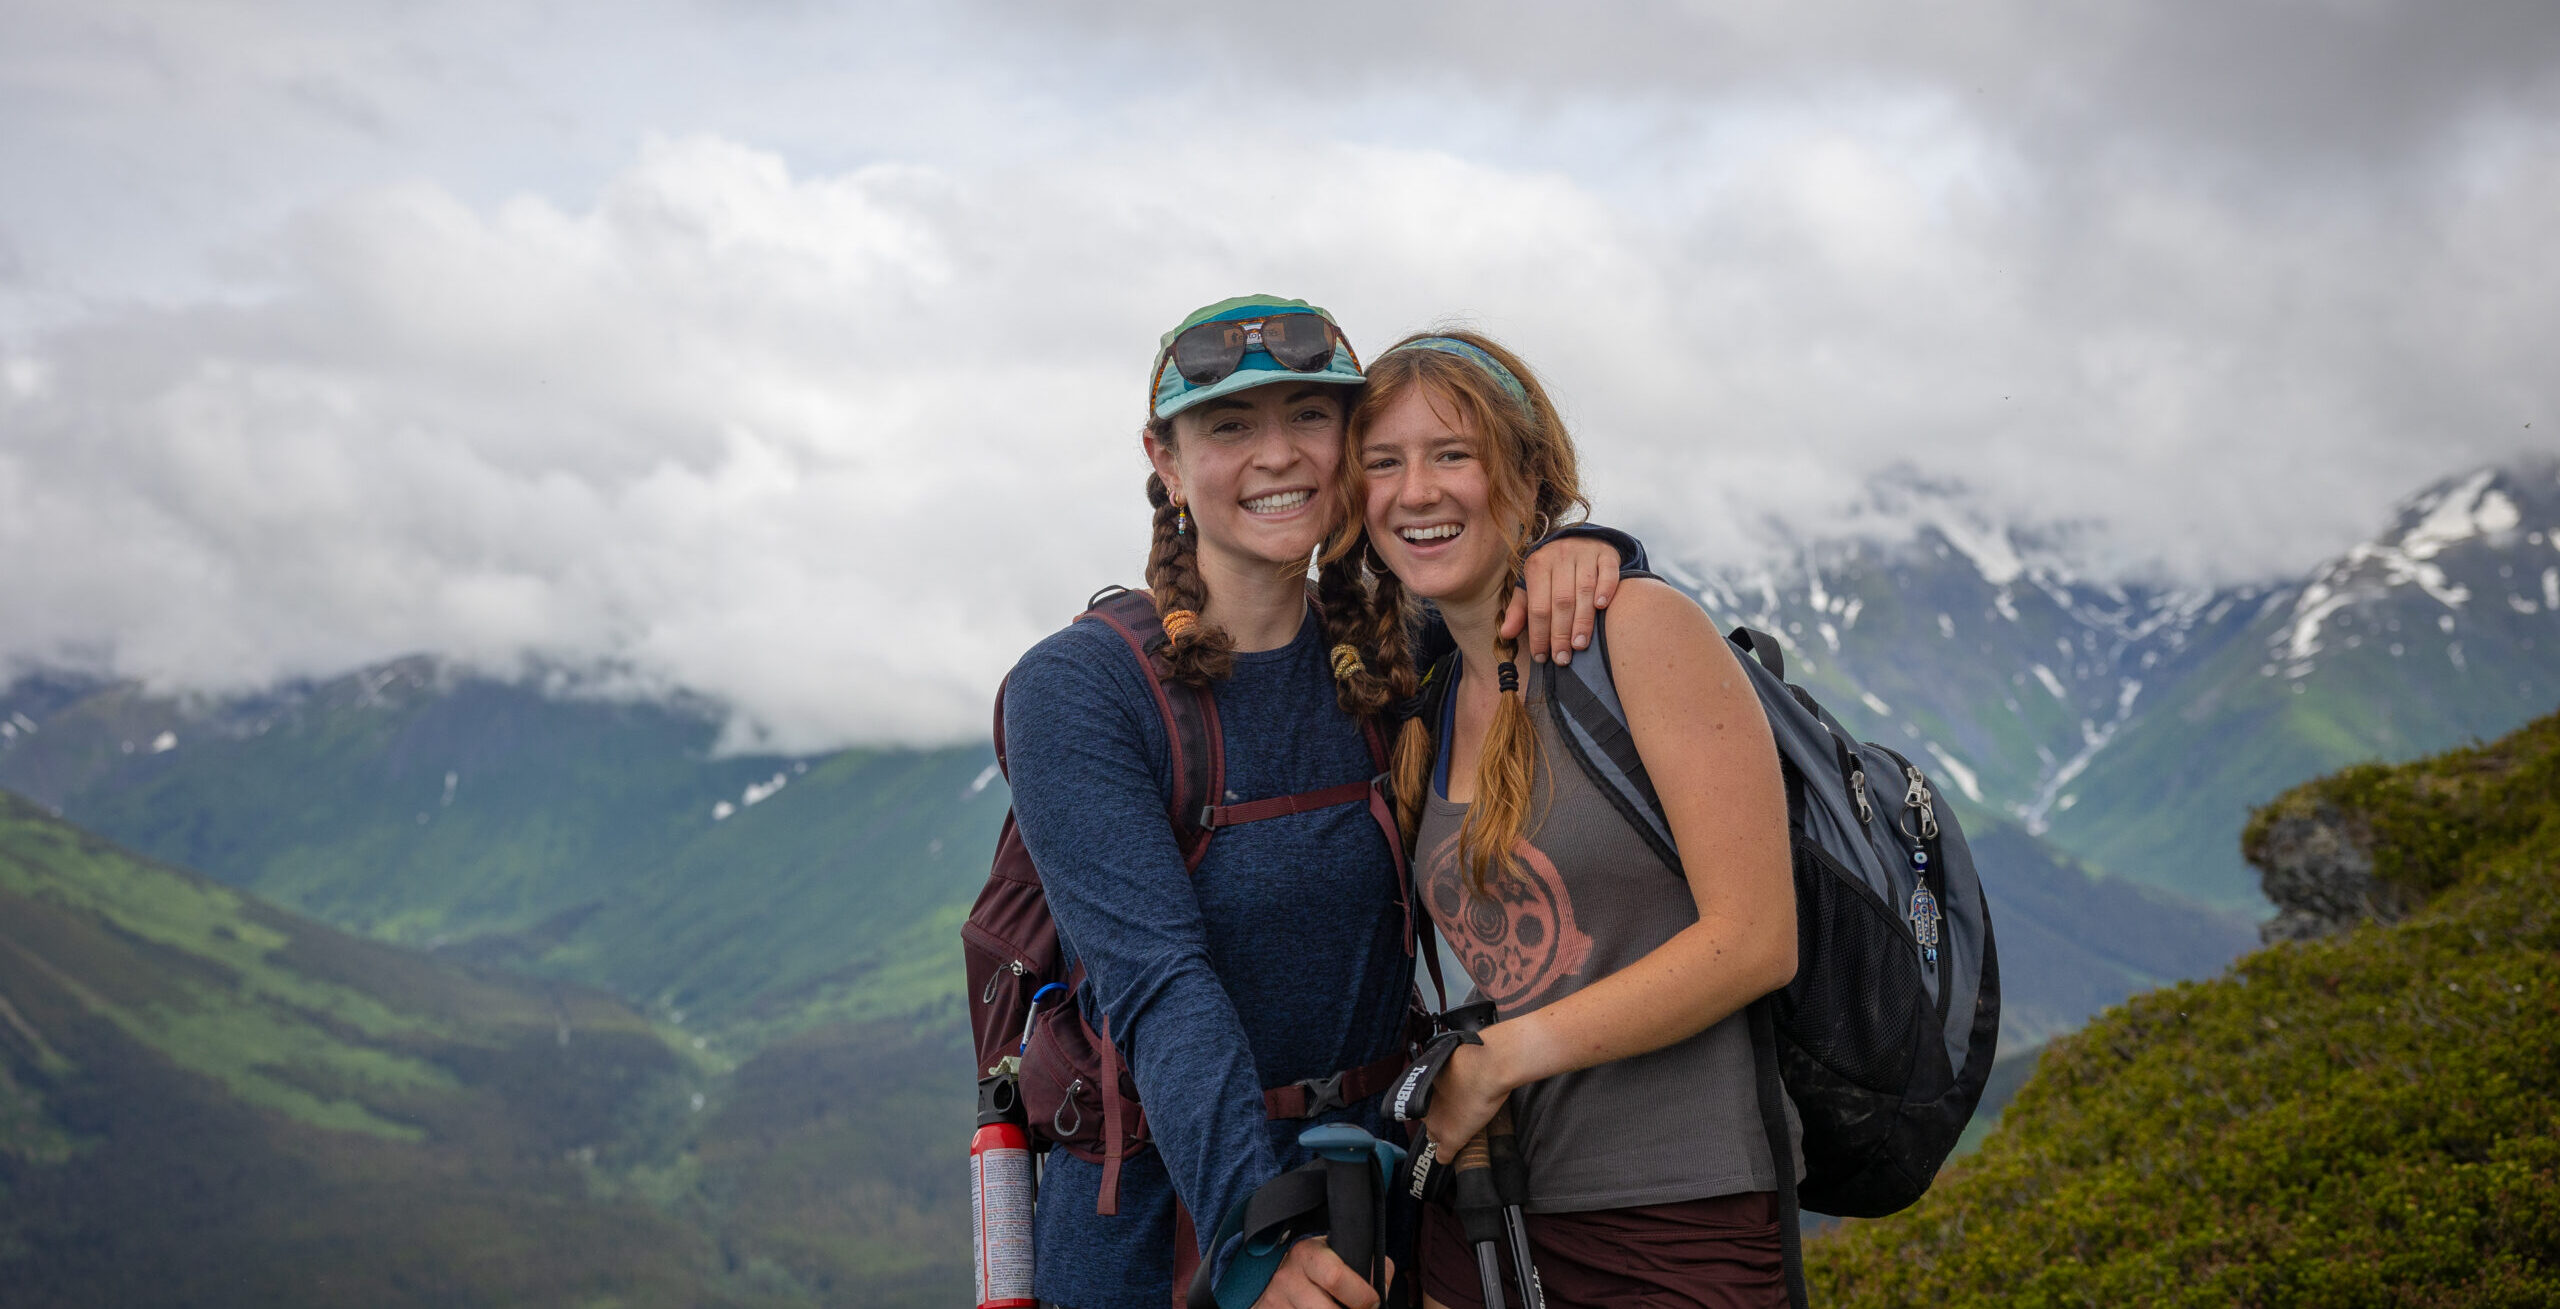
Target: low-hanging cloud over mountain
[(796, 357)]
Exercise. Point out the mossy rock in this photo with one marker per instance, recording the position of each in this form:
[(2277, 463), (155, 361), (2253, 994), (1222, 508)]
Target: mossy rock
[(2368, 1119)]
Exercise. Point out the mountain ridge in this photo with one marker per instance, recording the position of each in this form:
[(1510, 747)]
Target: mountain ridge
[(2094, 712)]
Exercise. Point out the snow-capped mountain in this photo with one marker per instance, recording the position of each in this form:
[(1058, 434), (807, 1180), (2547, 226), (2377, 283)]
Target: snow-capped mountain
[(2134, 725)]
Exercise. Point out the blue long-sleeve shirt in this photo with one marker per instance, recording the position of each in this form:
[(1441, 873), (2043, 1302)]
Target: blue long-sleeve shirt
[(1282, 957)]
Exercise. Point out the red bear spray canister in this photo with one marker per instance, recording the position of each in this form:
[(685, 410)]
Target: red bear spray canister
[(1000, 1194)]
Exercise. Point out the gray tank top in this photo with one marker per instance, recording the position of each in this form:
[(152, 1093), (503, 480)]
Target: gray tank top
[(1679, 1123)]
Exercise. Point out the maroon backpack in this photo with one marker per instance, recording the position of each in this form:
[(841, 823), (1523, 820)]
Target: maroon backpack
[(1075, 1089)]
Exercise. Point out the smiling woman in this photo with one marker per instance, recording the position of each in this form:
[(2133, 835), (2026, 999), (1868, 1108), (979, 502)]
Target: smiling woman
[(1618, 974), (1236, 975)]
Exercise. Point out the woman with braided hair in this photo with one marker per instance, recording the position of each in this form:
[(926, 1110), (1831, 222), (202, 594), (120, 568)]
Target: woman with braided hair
[(1281, 958), (1618, 978)]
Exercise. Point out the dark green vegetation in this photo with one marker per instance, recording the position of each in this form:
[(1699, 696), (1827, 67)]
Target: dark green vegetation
[(781, 929), (2367, 1119), (207, 1101), (566, 837), (211, 1102)]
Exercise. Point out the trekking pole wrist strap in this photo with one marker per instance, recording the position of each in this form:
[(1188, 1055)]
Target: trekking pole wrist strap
[(1412, 1100)]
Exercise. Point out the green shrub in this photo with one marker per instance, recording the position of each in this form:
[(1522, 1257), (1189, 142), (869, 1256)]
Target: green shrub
[(2370, 1119)]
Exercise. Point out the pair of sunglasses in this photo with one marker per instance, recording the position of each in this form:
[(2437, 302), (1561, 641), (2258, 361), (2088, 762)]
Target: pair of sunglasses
[(1210, 352)]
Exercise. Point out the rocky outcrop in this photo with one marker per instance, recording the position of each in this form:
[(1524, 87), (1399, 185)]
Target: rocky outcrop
[(2318, 869)]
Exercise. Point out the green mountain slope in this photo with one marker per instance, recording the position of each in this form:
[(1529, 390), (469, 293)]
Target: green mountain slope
[(205, 1100), (2372, 1118), (209, 1102), (594, 841)]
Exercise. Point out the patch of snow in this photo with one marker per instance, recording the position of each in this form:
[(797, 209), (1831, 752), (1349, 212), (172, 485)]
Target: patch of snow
[(2309, 613), (2522, 605), (1946, 627), (2466, 511), (1964, 778), (2444, 622), (985, 775), (1987, 546), (2000, 601), (2093, 738), (2454, 653), (451, 780), (1830, 636), (722, 810), (25, 724), (2551, 588), (2051, 682), (2067, 801), (1849, 613), (759, 792), (164, 743), (1868, 698), (2495, 515)]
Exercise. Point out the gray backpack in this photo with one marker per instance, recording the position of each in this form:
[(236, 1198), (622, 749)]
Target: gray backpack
[(1885, 1037)]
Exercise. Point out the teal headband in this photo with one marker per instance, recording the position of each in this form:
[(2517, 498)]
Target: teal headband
[(1450, 345)]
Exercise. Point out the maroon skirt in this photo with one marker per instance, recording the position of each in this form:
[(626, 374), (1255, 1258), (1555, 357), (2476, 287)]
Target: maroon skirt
[(1719, 1253)]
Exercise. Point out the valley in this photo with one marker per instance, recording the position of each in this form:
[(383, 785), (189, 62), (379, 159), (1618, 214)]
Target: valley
[(490, 944)]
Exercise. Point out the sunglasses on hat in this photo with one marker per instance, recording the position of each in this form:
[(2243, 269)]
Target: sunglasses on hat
[(1210, 352)]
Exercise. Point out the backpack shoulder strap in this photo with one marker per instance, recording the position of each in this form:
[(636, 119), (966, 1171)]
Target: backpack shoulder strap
[(1591, 719), (1190, 717)]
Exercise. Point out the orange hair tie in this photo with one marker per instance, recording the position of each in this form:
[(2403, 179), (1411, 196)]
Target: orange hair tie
[(1179, 621), (1346, 662)]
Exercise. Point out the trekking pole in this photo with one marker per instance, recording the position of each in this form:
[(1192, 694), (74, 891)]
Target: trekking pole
[(1472, 1194), (1511, 1185), (1351, 1185)]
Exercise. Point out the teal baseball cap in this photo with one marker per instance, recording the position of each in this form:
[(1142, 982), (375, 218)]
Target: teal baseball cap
[(1253, 363)]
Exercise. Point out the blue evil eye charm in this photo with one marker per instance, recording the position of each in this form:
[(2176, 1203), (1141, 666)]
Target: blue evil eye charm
[(1924, 923)]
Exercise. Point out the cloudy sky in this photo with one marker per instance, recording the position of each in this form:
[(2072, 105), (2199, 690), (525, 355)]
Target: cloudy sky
[(793, 352)]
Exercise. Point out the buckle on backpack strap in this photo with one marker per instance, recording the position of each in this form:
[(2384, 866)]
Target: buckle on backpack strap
[(1324, 1095)]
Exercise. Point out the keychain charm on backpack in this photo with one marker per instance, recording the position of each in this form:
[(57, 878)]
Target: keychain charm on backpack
[(1924, 906)]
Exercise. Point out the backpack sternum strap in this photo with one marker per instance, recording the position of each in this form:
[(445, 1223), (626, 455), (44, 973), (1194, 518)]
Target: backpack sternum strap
[(1214, 816)]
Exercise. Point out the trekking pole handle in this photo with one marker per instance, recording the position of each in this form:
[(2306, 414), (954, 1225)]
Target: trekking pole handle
[(1502, 1147), (1472, 1195)]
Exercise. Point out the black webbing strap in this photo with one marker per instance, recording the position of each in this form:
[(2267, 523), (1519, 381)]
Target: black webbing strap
[(1283, 1201), (1763, 647), (1782, 1154)]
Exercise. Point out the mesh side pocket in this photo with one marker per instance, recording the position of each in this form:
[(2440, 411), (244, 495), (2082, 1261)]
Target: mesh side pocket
[(1856, 1005)]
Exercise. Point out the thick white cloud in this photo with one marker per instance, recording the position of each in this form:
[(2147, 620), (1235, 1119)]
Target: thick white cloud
[(806, 373)]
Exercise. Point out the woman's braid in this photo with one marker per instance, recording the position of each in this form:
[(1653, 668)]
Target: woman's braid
[(1197, 653)]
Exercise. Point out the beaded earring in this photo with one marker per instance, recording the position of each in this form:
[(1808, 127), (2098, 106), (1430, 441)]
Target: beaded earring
[(1181, 520)]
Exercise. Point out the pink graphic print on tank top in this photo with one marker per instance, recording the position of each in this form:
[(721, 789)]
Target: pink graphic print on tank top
[(1519, 939)]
